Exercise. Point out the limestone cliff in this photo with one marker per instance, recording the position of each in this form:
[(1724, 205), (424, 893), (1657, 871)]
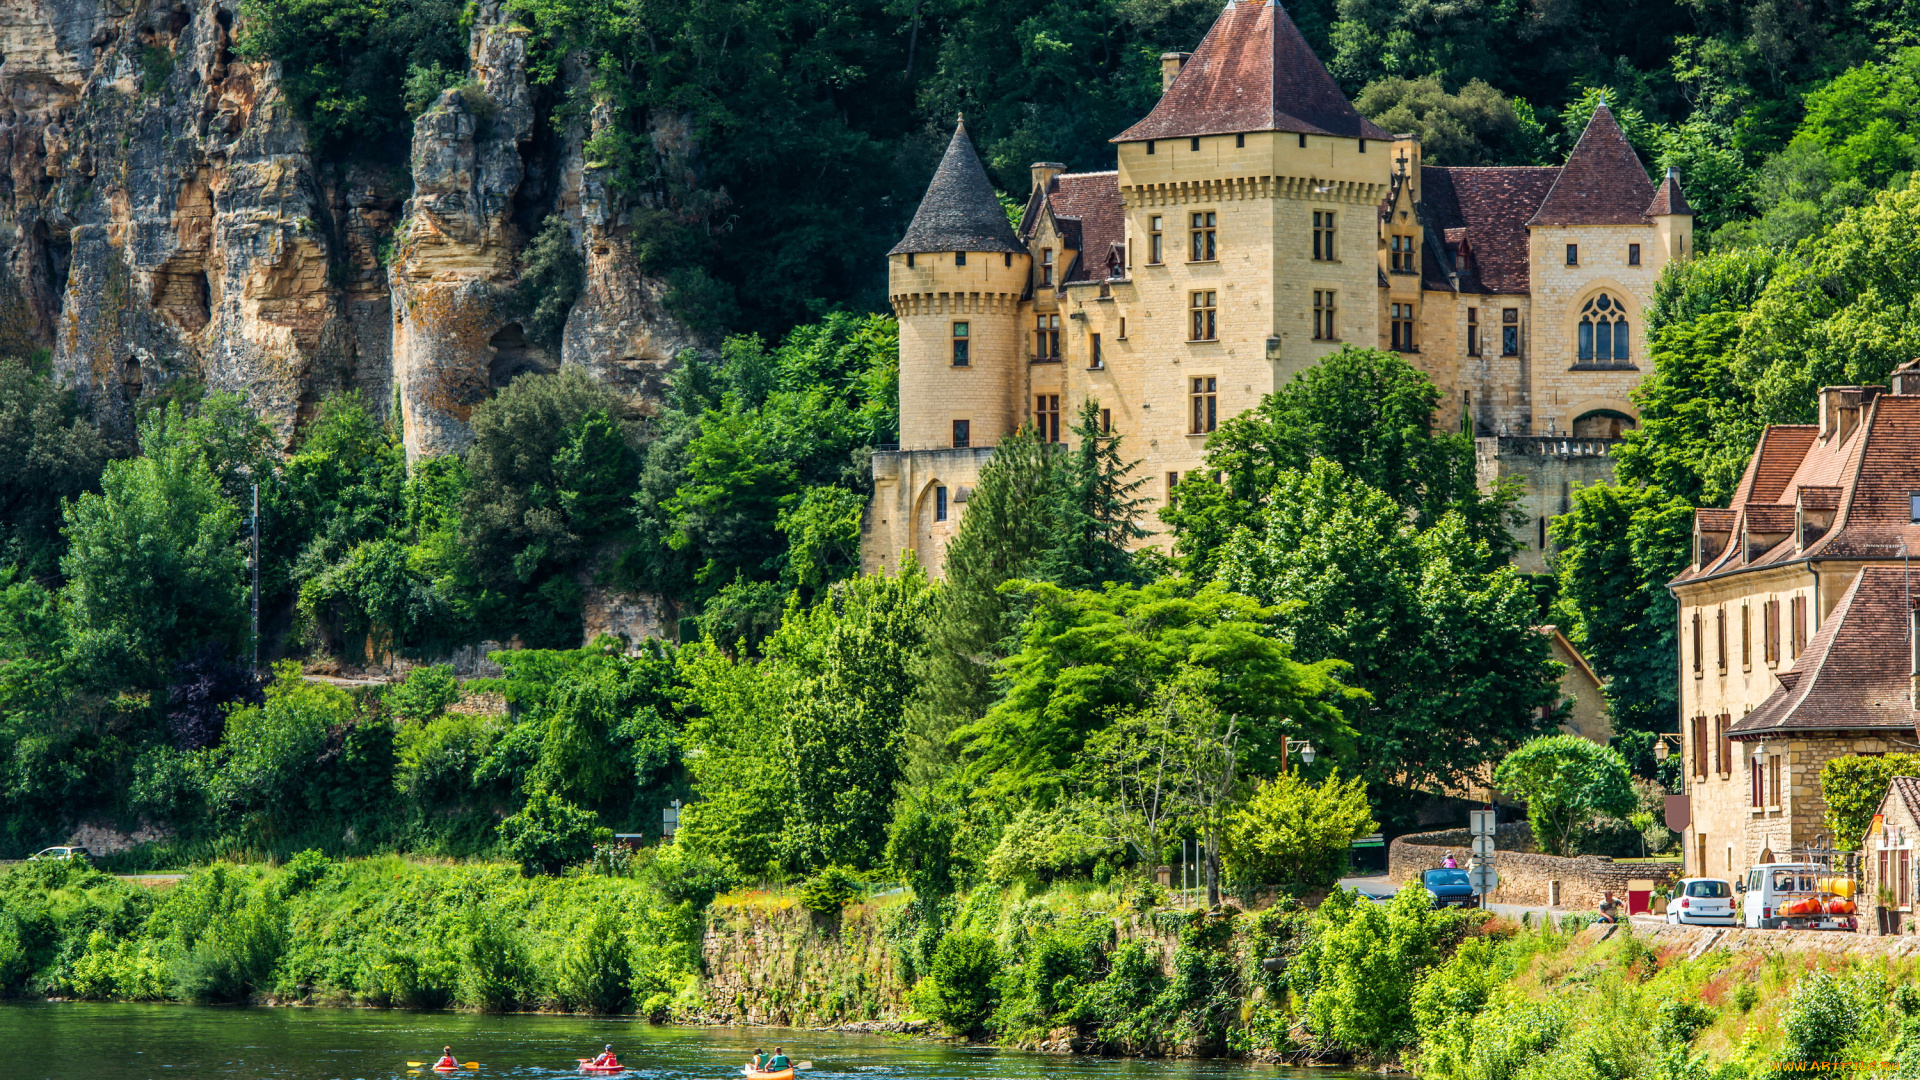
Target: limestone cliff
[(164, 215)]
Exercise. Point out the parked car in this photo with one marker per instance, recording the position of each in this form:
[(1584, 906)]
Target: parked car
[(54, 854), (1447, 887), (1702, 902)]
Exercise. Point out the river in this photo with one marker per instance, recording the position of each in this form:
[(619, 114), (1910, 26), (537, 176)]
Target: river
[(42, 1041)]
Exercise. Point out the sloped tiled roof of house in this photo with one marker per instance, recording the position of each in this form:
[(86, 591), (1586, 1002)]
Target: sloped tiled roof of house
[(1907, 790), (1603, 181), (1491, 205), (1864, 472), (1091, 201), (1253, 72), (960, 212), (1668, 198), (1853, 675)]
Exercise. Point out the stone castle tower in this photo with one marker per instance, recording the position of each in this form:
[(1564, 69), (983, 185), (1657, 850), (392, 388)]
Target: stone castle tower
[(1255, 222)]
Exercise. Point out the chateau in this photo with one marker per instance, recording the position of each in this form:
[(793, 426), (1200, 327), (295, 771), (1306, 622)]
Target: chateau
[(1256, 222)]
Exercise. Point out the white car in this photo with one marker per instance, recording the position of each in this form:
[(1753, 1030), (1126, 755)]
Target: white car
[(1702, 902)]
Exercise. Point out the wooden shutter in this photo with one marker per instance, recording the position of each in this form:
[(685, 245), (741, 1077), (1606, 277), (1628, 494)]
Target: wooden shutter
[(1700, 747), (1726, 744), (1771, 631), (1906, 877), (1757, 781)]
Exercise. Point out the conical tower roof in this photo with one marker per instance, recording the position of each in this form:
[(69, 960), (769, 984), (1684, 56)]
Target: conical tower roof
[(1602, 183), (959, 211), (1253, 72)]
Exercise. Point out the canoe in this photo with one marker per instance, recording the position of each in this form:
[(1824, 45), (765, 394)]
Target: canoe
[(783, 1074)]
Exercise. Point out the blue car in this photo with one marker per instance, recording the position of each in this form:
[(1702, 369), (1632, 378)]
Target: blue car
[(1449, 888)]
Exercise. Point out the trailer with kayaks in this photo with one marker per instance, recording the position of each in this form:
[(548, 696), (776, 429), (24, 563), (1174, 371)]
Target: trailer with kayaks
[(1800, 895)]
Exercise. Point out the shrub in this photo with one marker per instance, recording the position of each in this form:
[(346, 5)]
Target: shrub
[(1565, 781), (1295, 833), (552, 276), (1362, 967), (958, 992), (548, 834), (596, 974), (831, 889), (1679, 1020), (682, 876), (425, 694), (496, 975), (1824, 1015), (1448, 1001)]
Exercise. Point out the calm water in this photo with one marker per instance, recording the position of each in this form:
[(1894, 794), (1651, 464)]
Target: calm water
[(179, 1042)]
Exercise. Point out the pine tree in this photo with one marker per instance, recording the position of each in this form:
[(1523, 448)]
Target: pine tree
[(1096, 511)]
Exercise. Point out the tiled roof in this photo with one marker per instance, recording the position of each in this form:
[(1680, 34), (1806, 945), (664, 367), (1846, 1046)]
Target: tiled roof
[(1907, 790), (1490, 206), (1853, 675), (1865, 478), (1253, 72), (960, 211), (1667, 196), (1602, 183), (1714, 520), (1091, 201)]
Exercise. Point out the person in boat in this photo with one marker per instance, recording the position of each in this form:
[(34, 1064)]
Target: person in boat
[(607, 1058), (447, 1060), (759, 1062), (778, 1061)]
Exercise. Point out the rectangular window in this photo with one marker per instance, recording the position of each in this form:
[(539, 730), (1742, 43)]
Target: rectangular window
[(1775, 796), (1746, 637), (1303, 140), (1095, 358), (1725, 748), (960, 353), (939, 504), (1573, 254), (1633, 254), (1510, 332), (909, 260), (962, 432), (1401, 328), (1757, 782), (1322, 234), (1797, 632), (1206, 404), (959, 258), (1402, 254), (1202, 232), (1696, 645), (1204, 327), (1106, 421), (1700, 747), (1046, 266), (1046, 337), (1153, 241), (1195, 144), (1239, 141), (1770, 631), (1123, 328), (1149, 146), (1363, 146), (1046, 417), (1720, 639), (1323, 310), (1473, 331), (1913, 506)]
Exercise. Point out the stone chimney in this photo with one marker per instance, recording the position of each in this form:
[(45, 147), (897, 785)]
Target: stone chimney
[(1044, 172), (1906, 379), (1170, 65), (1840, 409)]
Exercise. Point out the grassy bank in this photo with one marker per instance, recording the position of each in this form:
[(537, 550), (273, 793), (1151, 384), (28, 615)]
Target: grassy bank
[(1102, 969)]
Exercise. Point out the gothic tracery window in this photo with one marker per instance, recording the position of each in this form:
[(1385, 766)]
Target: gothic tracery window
[(1603, 330)]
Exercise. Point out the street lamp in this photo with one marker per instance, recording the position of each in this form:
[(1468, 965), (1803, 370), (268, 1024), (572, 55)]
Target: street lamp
[(1308, 753)]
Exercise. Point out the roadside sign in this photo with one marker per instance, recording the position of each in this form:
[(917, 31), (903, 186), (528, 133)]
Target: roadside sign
[(1483, 878), (1371, 840), (1480, 822), (1483, 847)]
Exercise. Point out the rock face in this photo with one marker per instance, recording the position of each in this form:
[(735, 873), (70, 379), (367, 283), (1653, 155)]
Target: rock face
[(165, 216)]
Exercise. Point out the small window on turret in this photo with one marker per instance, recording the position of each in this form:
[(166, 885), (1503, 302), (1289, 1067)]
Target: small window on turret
[(1303, 140), (960, 356), (1195, 144), (909, 260), (1009, 256), (1240, 140), (959, 258), (1633, 254), (1149, 146)]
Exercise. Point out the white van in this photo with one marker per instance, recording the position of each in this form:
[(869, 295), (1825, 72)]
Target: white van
[(1796, 896)]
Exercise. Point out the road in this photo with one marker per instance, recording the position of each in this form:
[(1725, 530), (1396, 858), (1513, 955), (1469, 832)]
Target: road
[(1380, 889)]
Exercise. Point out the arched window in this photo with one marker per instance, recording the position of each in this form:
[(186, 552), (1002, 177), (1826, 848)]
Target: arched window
[(1603, 329)]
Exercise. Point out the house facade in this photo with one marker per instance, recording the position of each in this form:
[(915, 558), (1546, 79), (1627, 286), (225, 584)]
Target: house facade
[(1254, 223), (1889, 874), (1794, 624)]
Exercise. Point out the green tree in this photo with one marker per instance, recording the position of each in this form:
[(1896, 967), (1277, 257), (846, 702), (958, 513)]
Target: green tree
[(958, 991), (1444, 644), (548, 834), (552, 277), (1296, 833), (1360, 970), (1853, 788), (54, 454), (1476, 126), (1367, 411), (1096, 512), (1087, 657), (1565, 781), (153, 562)]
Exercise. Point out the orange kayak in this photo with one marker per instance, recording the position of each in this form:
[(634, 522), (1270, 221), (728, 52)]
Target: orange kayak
[(783, 1074)]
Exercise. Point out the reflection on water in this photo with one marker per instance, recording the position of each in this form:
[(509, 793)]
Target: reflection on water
[(179, 1042)]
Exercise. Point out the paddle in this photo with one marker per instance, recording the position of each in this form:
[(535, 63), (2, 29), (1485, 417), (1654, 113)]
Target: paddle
[(422, 1065)]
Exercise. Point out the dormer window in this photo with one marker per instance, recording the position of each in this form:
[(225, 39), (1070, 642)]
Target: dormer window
[(1403, 254), (1913, 507), (1046, 266)]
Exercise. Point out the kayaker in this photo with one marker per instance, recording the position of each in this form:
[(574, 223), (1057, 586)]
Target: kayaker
[(759, 1062), (447, 1060), (606, 1058), (778, 1061)]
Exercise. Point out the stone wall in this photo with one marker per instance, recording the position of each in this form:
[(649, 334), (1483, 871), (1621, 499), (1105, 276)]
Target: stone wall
[(1526, 877), (771, 961), (1697, 940)]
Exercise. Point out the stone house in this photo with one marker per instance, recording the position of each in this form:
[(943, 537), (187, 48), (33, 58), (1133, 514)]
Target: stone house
[(1886, 861), (1793, 622), (1255, 222)]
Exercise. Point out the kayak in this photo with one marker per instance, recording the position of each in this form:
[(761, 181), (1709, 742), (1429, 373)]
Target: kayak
[(587, 1065)]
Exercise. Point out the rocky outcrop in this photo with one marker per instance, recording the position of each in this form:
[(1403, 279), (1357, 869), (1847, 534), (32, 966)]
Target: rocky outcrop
[(164, 215)]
